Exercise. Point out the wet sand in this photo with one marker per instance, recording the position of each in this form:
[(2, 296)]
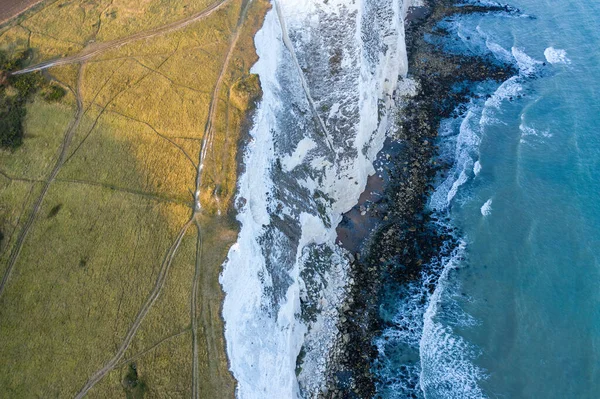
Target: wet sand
[(12, 8), (358, 223)]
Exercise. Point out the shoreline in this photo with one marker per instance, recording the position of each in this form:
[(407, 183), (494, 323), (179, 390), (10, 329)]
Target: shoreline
[(402, 235)]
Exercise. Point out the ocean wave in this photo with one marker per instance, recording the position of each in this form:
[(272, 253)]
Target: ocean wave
[(556, 56), (446, 359), (476, 168), (447, 368), (513, 87), (528, 66), (486, 209), (529, 132), (435, 361), (464, 155)]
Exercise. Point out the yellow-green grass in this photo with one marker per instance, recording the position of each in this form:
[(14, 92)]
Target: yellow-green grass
[(82, 276), (16, 199), (80, 22), (235, 102), (44, 127), (116, 151), (167, 323), (162, 348), (93, 253)]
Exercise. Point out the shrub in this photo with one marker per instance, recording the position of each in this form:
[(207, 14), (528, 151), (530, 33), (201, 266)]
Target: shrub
[(15, 91), (11, 125), (54, 93)]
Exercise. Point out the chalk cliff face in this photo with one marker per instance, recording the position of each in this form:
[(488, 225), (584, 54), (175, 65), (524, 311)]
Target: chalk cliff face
[(329, 71)]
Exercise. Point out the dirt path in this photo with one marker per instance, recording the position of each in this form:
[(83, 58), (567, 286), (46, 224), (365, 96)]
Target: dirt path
[(99, 48), (11, 8), (206, 143), (194, 316), (38, 203), (207, 139), (62, 159), (158, 285), (150, 349)]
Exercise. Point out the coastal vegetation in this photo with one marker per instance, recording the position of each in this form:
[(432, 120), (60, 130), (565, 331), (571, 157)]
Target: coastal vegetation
[(15, 92), (106, 265)]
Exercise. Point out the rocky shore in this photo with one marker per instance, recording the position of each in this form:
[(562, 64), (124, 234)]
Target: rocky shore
[(402, 235)]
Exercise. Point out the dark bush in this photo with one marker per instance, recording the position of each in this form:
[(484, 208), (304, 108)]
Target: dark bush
[(11, 126), (27, 84), (15, 91), (54, 93), (54, 211)]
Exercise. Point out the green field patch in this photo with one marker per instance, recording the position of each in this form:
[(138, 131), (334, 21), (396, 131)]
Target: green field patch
[(94, 251), (45, 125), (63, 318), (122, 153)]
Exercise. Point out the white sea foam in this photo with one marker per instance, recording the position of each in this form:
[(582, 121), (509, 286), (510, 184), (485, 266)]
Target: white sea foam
[(476, 168), (531, 132), (511, 88), (468, 139), (497, 50), (444, 367), (446, 359), (263, 275), (465, 148), (556, 56), (528, 66), (486, 208), (447, 369)]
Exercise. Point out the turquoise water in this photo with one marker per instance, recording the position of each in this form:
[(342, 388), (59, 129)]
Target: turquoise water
[(516, 311), (532, 272)]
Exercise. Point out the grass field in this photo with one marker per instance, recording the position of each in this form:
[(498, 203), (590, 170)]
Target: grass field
[(103, 185)]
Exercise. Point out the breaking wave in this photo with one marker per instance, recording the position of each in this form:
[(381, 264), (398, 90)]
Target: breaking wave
[(421, 355)]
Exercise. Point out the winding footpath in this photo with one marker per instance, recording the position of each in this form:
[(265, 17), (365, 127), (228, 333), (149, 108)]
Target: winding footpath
[(38, 203), (158, 285), (205, 147), (207, 140), (96, 49)]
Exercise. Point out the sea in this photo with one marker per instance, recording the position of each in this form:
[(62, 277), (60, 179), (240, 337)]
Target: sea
[(511, 308), (515, 312)]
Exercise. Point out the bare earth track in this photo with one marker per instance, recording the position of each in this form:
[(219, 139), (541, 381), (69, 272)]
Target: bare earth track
[(81, 58), (12, 8), (38, 203), (160, 282), (99, 48)]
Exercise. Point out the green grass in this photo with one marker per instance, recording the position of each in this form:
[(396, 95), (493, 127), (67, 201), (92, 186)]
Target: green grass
[(58, 311), (93, 253), (44, 127), (15, 92)]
